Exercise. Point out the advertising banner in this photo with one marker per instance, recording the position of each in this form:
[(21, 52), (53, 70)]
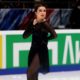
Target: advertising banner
[(64, 51)]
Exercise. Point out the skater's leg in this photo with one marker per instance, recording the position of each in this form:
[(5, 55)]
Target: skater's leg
[(32, 73)]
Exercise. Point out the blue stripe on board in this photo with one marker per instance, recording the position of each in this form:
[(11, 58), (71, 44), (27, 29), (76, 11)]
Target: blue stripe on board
[(52, 69)]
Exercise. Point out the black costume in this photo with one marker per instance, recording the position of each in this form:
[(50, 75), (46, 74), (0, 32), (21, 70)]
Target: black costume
[(38, 55)]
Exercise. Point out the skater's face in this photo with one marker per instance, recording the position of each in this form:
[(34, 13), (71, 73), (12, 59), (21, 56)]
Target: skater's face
[(41, 13)]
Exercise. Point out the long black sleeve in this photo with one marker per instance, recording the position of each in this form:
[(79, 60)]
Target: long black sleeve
[(28, 31), (51, 30)]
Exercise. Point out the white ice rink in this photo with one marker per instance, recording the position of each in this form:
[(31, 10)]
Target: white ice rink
[(73, 75)]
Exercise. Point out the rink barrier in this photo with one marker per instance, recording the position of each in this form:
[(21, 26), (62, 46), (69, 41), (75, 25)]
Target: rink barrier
[(64, 51)]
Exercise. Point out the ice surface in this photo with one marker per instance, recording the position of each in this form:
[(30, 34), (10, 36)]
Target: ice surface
[(73, 75)]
